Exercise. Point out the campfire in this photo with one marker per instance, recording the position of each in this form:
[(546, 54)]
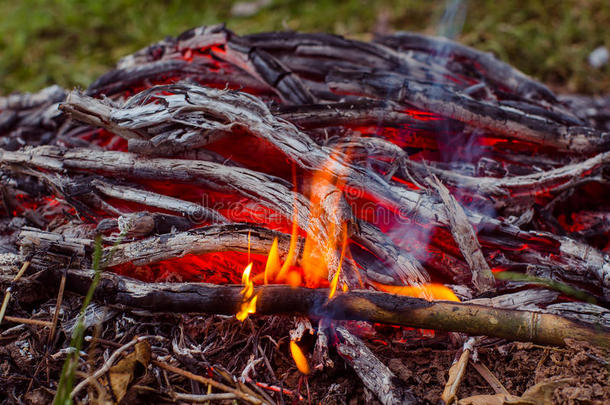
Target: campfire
[(407, 186)]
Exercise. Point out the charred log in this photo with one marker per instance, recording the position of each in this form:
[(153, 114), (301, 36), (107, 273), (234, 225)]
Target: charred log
[(373, 306)]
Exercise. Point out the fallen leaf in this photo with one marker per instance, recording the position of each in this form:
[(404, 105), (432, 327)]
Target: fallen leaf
[(542, 393), (497, 399), (122, 373), (539, 394)]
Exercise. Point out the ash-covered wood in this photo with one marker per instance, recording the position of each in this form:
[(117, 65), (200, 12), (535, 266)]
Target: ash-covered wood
[(464, 235), (375, 375), (505, 120), (470, 61), (183, 117)]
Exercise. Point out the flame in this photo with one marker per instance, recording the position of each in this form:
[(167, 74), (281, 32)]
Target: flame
[(335, 280), (248, 305), (323, 237), (273, 271), (299, 358), (432, 291), (273, 262), (327, 231), (282, 273), (245, 280), (294, 236), (315, 260), (294, 279)]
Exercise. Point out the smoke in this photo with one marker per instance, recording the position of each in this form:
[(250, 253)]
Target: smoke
[(452, 21), (412, 236)]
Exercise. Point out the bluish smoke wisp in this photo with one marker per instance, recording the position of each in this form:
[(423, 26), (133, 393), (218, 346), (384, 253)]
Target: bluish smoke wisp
[(452, 22)]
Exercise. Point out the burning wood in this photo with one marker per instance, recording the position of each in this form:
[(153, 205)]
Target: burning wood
[(320, 162), (498, 320)]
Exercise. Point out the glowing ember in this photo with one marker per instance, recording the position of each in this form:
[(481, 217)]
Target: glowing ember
[(299, 358)]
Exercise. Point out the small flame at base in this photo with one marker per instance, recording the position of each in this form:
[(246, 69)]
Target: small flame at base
[(432, 291), (299, 358), (335, 280), (248, 305)]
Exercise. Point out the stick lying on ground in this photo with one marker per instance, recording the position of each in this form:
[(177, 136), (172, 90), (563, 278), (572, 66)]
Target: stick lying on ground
[(371, 306), (373, 373)]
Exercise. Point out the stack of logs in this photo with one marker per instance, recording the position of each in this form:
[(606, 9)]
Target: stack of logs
[(441, 164)]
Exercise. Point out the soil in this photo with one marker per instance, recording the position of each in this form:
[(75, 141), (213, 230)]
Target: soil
[(210, 345)]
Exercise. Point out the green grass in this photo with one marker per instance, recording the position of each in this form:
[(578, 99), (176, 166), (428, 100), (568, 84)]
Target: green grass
[(71, 42), (68, 371)]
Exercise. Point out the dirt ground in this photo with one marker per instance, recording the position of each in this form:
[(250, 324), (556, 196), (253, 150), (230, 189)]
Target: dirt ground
[(212, 346)]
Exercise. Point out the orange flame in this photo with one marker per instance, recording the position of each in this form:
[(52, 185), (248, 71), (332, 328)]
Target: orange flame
[(325, 233), (432, 291), (299, 358), (248, 305), (273, 262), (283, 274), (335, 280), (327, 229), (273, 272), (323, 237)]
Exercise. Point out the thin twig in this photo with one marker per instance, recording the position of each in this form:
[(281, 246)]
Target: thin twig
[(279, 390), (21, 271), (204, 398), (60, 296), (27, 321), (208, 381), (7, 295), (491, 379)]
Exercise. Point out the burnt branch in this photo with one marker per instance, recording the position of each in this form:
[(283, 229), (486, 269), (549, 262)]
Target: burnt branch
[(464, 235), (372, 306), (375, 375), (269, 190), (493, 117), (221, 238), (491, 69)]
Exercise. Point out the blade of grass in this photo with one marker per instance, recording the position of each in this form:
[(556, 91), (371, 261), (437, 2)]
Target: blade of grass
[(563, 288), (66, 381)]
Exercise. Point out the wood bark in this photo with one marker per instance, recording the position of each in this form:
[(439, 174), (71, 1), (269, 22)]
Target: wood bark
[(269, 190), (473, 319), (495, 118), (493, 70), (482, 278)]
